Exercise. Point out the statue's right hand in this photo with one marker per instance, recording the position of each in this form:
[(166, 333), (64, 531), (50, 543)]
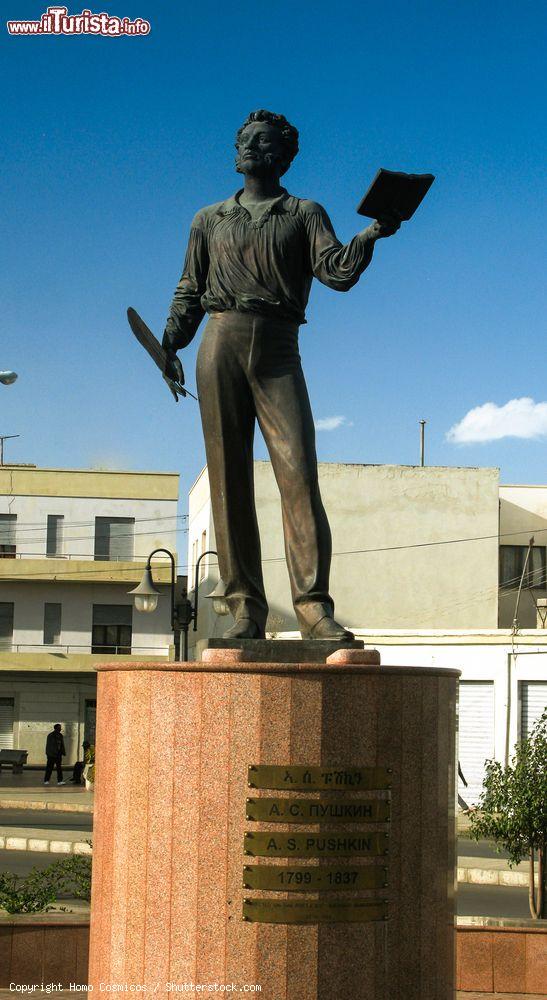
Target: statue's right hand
[(173, 367)]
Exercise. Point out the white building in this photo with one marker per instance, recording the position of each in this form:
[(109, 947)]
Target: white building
[(72, 544), (427, 564)]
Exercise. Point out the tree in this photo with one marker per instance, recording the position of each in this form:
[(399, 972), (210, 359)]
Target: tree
[(512, 810)]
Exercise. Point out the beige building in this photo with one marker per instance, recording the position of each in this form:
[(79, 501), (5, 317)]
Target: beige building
[(72, 544), (412, 547), (426, 568), (523, 516)]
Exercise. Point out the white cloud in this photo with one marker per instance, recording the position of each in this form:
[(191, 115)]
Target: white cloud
[(519, 418), (332, 423)]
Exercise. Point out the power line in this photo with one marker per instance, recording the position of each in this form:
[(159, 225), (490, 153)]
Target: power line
[(213, 563), (471, 599), (468, 601), (345, 552), (419, 545), (38, 526)]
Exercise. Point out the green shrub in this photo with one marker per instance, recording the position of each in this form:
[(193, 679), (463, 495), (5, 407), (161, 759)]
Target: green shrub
[(33, 893), (512, 810), (42, 887), (74, 875)]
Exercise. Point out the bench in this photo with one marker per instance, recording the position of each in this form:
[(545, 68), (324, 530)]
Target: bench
[(14, 757)]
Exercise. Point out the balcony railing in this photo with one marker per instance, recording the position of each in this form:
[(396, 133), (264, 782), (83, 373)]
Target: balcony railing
[(71, 648), (77, 555)]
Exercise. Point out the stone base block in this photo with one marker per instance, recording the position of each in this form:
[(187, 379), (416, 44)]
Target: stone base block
[(365, 761), (283, 650)]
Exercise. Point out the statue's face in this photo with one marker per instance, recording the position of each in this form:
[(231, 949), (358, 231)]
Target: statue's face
[(260, 149)]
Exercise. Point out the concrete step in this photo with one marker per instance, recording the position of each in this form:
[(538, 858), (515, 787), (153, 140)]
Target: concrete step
[(38, 839), (492, 871), (476, 871)]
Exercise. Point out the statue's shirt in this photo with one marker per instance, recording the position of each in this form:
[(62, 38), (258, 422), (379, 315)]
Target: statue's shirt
[(265, 266)]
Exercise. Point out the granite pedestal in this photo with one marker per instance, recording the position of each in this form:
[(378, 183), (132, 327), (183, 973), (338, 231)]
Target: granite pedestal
[(174, 745), (288, 650)]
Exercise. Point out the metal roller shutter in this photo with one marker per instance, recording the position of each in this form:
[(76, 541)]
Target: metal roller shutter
[(7, 715), (476, 735), (533, 695)]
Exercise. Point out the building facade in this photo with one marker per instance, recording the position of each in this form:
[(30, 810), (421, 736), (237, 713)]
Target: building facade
[(427, 566), (412, 547), (523, 517), (73, 543)]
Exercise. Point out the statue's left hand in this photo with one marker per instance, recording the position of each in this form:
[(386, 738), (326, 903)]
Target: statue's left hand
[(386, 226)]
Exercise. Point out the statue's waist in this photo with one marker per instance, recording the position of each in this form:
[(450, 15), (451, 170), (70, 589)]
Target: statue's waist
[(254, 321)]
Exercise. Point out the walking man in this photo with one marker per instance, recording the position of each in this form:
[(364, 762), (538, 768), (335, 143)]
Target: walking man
[(55, 751), (250, 263)]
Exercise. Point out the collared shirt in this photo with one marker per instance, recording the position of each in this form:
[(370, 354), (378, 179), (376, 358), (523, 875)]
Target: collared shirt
[(264, 266)]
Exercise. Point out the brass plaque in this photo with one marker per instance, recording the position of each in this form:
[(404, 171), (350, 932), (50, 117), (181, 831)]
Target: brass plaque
[(298, 777), (318, 810), (315, 845), (308, 911), (309, 879)]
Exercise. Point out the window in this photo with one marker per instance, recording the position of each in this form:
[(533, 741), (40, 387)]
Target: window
[(512, 559), (114, 538), (54, 542), (112, 627), (8, 524), (52, 624), (6, 624), (7, 718)]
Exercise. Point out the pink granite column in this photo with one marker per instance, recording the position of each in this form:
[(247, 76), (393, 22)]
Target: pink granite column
[(174, 744)]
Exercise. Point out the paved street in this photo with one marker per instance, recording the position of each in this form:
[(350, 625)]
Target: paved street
[(492, 901), (22, 862), (53, 819), (478, 849), (473, 900)]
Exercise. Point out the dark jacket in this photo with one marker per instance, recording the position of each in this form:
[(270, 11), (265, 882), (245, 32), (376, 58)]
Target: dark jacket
[(55, 745)]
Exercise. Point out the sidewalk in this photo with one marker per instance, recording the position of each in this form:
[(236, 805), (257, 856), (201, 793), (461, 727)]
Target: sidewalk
[(27, 791), (486, 871)]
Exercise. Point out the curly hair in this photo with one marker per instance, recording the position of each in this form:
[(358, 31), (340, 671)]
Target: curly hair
[(289, 134)]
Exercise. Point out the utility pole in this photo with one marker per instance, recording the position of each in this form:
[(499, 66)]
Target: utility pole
[(527, 559), (422, 442), (5, 437)]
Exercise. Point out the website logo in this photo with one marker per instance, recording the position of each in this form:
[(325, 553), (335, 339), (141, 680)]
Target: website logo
[(57, 21)]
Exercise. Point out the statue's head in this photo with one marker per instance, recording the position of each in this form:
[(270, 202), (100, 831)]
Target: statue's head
[(266, 143)]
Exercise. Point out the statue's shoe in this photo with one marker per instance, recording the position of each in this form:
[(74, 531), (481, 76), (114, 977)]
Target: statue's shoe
[(244, 628), (327, 628)]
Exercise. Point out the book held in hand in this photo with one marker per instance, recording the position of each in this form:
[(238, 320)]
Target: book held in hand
[(394, 191)]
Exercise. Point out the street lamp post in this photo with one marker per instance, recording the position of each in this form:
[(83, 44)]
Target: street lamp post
[(146, 594), (183, 612)]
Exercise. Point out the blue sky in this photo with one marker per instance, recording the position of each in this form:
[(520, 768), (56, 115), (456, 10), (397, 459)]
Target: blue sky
[(109, 146)]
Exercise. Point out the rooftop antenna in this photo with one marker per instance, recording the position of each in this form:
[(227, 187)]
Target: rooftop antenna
[(422, 442), (5, 437)]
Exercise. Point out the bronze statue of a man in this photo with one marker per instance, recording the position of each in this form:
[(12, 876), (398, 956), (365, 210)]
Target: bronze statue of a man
[(250, 264)]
